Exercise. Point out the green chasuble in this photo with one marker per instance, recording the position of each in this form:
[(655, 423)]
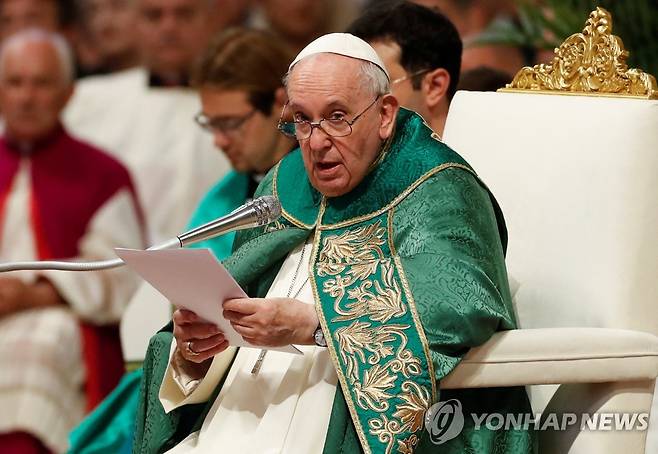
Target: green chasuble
[(407, 273)]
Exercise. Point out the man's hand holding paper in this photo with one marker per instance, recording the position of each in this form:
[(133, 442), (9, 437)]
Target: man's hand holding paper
[(272, 322), (199, 286), (197, 340)]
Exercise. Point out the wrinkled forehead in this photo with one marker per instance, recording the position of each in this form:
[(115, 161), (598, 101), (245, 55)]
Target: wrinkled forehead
[(325, 75)]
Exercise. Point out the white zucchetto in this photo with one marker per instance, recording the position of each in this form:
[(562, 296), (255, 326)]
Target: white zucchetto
[(342, 44)]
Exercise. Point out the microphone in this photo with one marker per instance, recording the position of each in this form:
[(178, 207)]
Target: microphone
[(260, 211)]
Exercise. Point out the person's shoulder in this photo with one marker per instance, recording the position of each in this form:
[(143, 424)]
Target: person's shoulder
[(96, 160), (96, 97), (126, 78), (454, 178), (416, 140)]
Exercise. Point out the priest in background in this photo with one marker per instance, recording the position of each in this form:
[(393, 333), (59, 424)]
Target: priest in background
[(59, 198), (144, 116), (424, 65), (17, 15), (239, 79)]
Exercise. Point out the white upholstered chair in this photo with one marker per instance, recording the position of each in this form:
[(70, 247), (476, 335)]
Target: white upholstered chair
[(577, 180)]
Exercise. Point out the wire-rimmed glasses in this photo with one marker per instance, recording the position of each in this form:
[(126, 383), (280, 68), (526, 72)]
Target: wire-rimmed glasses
[(334, 127), (409, 76), (225, 125)]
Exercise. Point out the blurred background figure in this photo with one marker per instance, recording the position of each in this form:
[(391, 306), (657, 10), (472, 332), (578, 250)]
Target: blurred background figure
[(483, 79), (423, 64), (50, 15), (472, 17), (59, 198), (108, 28), (298, 22), (230, 13), (98, 30), (171, 35), (239, 80), (144, 116)]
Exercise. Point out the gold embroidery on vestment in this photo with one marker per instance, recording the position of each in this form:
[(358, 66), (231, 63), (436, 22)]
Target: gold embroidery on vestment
[(373, 349)]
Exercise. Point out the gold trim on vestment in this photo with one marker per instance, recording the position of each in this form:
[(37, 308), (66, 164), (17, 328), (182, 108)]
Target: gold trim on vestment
[(412, 304), (384, 151), (356, 256), (325, 328), (590, 63), (396, 200), (289, 217)]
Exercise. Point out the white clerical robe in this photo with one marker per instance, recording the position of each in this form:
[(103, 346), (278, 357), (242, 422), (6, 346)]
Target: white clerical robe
[(152, 131), (285, 408), (41, 368)]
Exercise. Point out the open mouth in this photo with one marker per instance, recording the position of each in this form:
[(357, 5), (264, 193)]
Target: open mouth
[(324, 166)]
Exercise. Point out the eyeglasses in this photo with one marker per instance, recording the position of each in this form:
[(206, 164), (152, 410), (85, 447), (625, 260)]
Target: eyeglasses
[(409, 76), (334, 127), (225, 125)]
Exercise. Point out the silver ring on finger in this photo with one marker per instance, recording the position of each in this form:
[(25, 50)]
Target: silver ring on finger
[(190, 351)]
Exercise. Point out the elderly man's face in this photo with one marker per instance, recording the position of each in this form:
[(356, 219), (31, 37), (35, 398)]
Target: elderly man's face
[(172, 33), (33, 90), (327, 86), (18, 15)]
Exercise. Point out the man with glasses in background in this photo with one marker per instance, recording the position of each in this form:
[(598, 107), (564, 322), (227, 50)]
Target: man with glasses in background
[(422, 52), (385, 267), (239, 79)]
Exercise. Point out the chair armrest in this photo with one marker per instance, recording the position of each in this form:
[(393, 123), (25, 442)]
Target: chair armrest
[(556, 356)]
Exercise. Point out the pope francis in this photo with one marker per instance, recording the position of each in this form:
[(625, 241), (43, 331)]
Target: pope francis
[(385, 267)]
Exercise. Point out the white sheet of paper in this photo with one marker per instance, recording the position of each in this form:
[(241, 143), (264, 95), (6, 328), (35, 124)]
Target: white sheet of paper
[(192, 279)]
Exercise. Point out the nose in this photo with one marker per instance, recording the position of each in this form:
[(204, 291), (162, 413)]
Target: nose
[(221, 139), (104, 17), (168, 24), (319, 140), (25, 93)]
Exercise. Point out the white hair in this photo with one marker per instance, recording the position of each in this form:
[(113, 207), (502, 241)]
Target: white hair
[(371, 76), (35, 35), (374, 78)]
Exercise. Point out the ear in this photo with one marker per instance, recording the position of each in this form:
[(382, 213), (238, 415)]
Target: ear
[(388, 112), (280, 99), (435, 87)]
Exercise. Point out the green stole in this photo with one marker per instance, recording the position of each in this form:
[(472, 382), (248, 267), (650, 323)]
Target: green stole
[(387, 368)]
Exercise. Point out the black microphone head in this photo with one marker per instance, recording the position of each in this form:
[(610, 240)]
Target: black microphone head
[(267, 209)]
